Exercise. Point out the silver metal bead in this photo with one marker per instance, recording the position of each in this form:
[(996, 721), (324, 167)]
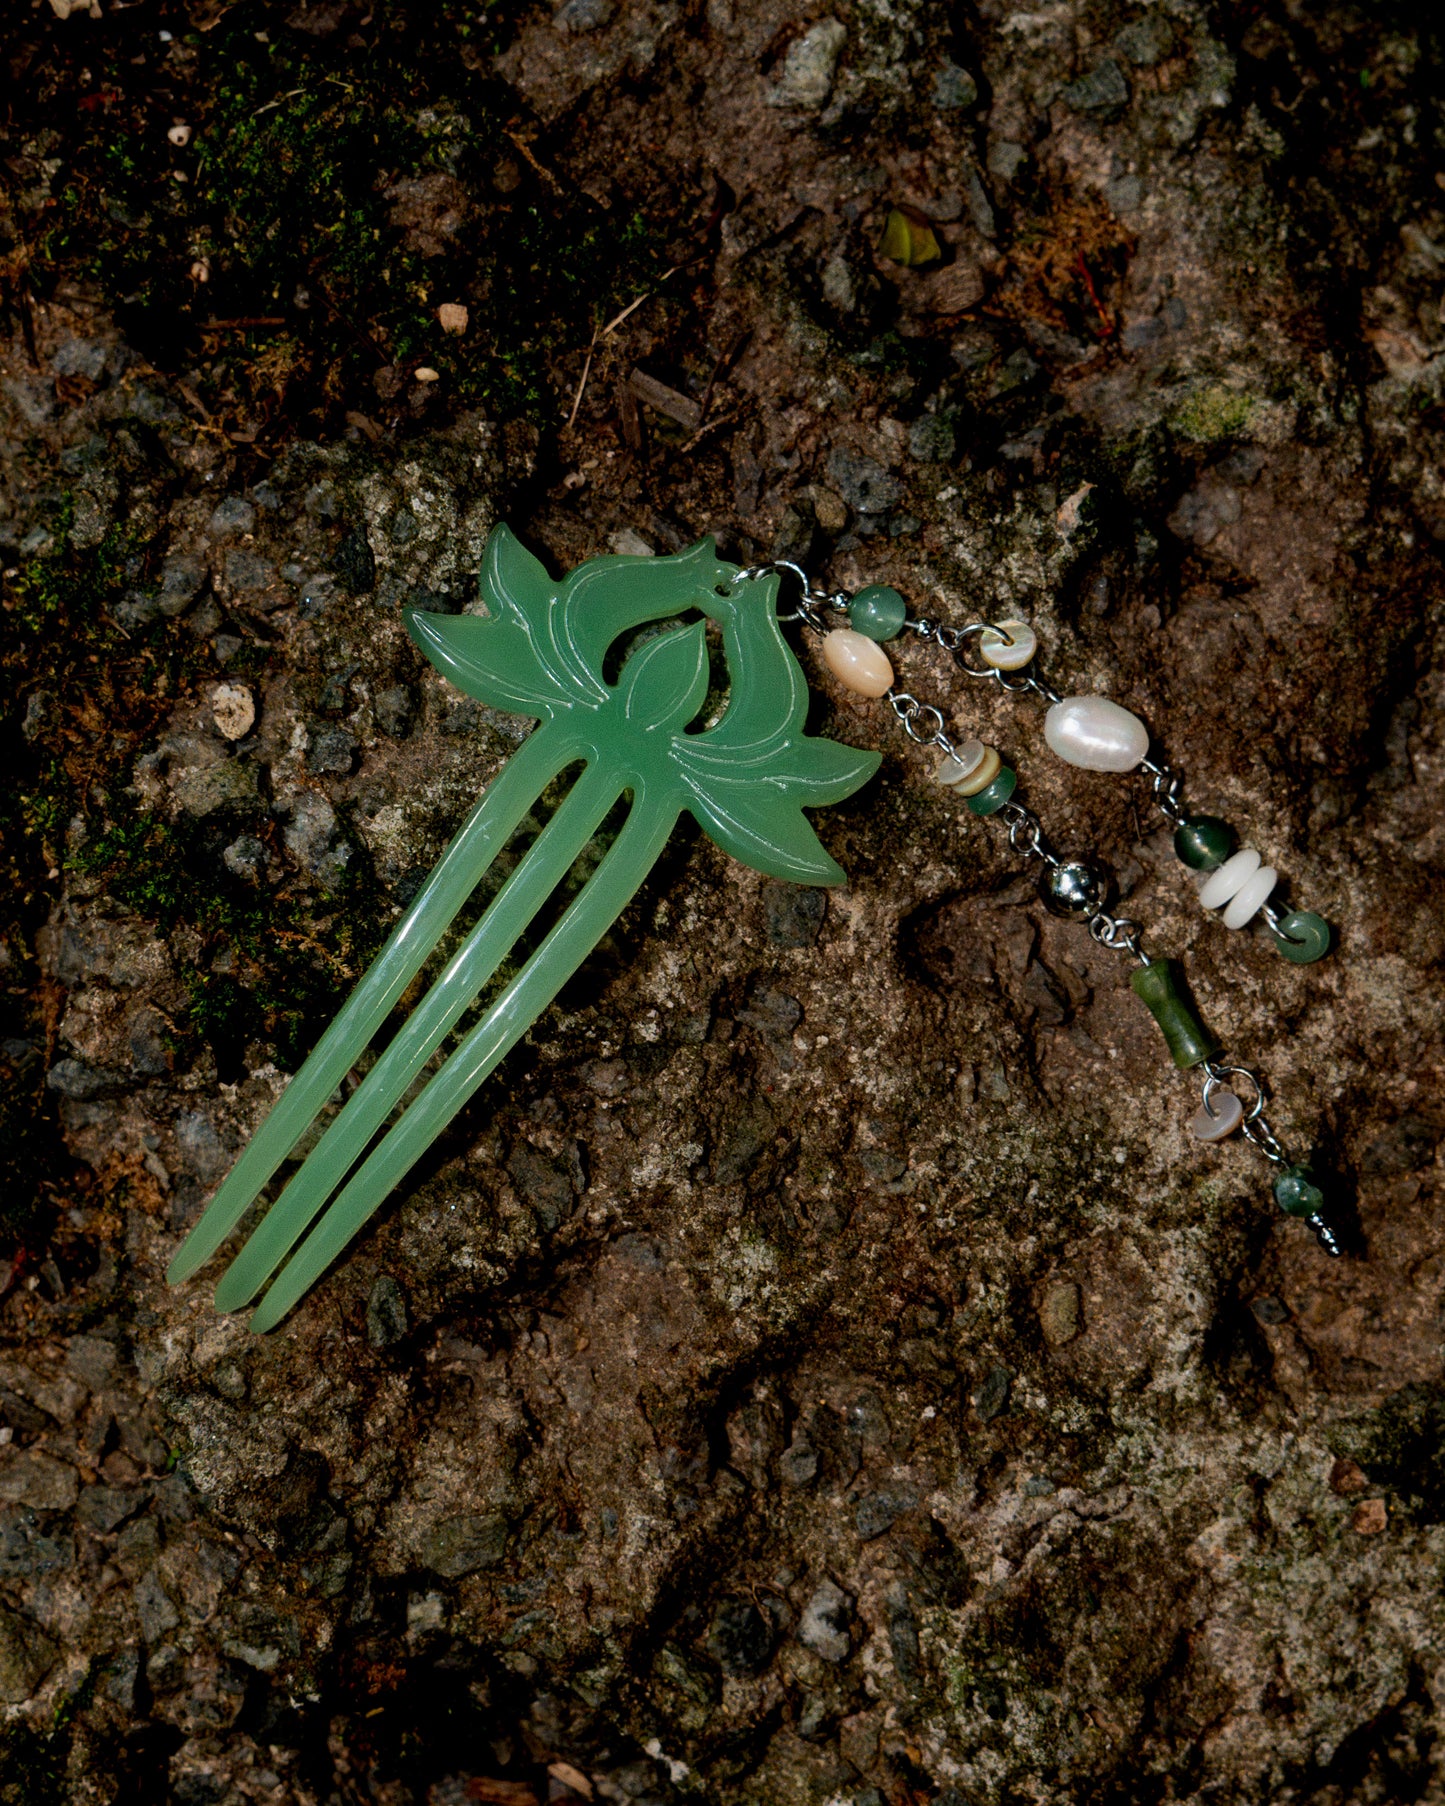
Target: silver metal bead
[(1074, 887)]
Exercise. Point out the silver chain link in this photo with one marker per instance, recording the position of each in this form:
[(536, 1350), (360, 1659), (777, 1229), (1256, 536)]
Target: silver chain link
[(811, 602), (911, 713), (1119, 934), (1025, 832), (1167, 786)]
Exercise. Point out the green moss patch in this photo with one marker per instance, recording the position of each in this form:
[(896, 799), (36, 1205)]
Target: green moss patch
[(333, 193)]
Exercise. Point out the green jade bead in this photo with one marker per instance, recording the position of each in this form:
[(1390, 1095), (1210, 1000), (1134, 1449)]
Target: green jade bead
[(1188, 1040), (1303, 937), (989, 801), (1204, 842), (878, 613), (1297, 1194)]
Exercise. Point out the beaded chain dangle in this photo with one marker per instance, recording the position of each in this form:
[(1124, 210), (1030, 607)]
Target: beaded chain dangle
[(1096, 734)]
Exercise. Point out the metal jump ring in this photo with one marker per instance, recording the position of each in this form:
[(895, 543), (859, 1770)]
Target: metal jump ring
[(806, 611), (1217, 1075)]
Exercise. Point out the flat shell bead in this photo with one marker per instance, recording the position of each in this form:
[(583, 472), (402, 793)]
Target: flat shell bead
[(982, 775), (1244, 905), (956, 766), (1011, 654), (1096, 734), (857, 662), (1220, 1117), (1220, 886)]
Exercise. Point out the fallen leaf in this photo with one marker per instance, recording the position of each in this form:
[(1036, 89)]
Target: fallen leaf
[(501, 1793), (676, 406), (908, 238), (570, 1777)]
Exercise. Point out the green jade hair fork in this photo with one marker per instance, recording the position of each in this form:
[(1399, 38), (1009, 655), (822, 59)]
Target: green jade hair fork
[(540, 651)]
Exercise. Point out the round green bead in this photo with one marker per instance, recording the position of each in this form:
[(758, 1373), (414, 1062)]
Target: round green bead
[(997, 794), (878, 612), (1204, 842), (1303, 937), (1297, 1194)]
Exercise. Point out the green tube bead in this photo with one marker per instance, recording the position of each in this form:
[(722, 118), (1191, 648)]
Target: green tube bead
[(1303, 937), (987, 802), (1188, 1040), (1297, 1194), (878, 612), (1204, 842)]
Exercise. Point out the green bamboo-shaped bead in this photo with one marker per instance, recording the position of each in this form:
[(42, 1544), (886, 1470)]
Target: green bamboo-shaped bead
[(1188, 1040)]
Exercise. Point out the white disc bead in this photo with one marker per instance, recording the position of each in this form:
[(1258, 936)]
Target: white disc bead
[(857, 662), (1096, 734), (1243, 883), (1221, 1116), (970, 770), (1010, 654)]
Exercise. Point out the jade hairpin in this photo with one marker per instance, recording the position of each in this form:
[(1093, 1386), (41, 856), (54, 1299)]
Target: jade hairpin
[(539, 651)]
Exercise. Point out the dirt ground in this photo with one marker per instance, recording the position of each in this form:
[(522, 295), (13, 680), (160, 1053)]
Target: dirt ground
[(820, 1366)]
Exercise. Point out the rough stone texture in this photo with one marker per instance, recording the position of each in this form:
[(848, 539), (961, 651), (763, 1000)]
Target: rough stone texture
[(820, 1368)]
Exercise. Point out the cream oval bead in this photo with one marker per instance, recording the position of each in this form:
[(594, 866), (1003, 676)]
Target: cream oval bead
[(1220, 1117), (857, 662), (1010, 654), (975, 775), (1243, 884), (1095, 734)]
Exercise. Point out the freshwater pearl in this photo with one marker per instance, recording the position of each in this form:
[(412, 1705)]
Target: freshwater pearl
[(857, 662), (993, 649), (1222, 1117), (1092, 732)]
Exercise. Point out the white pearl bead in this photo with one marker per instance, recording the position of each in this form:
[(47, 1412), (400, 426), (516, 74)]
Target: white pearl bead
[(857, 662), (1220, 1117), (1096, 734), (1011, 654)]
